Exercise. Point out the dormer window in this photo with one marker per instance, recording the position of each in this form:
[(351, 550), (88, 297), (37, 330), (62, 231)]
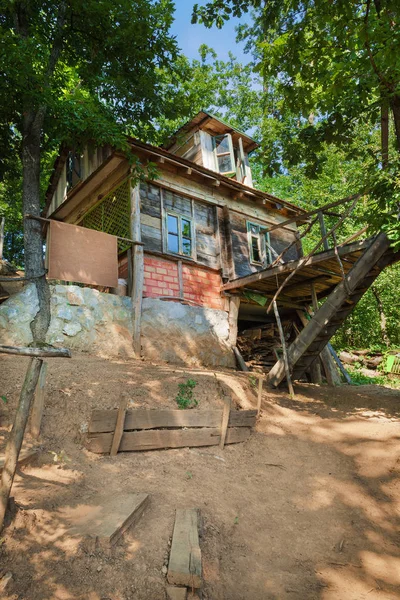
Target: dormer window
[(224, 155)]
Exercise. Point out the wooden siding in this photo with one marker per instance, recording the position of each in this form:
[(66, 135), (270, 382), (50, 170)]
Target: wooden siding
[(279, 239)]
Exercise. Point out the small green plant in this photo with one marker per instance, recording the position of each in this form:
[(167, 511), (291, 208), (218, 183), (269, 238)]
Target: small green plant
[(189, 475), (185, 398), (236, 521), (4, 399), (253, 381)]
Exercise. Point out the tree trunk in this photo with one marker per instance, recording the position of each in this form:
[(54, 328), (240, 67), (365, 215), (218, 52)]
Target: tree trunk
[(385, 134), (395, 107), (33, 240), (382, 317)]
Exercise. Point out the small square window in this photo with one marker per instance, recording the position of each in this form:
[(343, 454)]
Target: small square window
[(259, 244)]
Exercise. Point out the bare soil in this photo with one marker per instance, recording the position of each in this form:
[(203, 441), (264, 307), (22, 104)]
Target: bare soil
[(308, 508)]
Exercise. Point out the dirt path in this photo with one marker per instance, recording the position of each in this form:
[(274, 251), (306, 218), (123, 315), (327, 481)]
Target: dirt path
[(308, 508)]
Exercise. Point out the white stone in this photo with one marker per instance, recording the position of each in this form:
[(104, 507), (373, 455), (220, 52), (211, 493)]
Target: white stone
[(72, 329)]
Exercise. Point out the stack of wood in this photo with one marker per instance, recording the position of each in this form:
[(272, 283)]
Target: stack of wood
[(365, 358), (260, 346)]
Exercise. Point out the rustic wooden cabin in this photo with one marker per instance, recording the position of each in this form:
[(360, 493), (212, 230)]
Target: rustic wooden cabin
[(204, 253)]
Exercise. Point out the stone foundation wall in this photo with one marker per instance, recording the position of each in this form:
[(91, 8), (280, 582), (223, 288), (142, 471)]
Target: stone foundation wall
[(85, 319), (81, 318), (183, 334)]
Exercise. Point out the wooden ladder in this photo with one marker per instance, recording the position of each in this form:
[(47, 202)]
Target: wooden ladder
[(337, 306)]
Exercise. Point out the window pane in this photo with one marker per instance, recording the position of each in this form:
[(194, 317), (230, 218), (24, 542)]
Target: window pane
[(186, 228), (225, 164), (172, 224), (186, 247), (254, 229), (222, 144), (173, 243), (255, 249)]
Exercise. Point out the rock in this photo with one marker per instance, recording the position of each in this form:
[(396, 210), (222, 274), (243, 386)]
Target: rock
[(99, 568), (5, 581), (176, 593), (75, 297), (72, 329), (64, 312), (164, 570)]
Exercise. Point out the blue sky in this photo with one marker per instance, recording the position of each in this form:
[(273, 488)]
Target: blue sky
[(190, 37)]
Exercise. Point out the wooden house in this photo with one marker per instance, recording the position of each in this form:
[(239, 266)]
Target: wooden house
[(203, 251)]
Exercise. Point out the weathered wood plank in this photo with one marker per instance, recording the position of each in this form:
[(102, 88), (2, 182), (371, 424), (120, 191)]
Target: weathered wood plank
[(225, 422), (103, 520), (158, 439), (185, 559), (119, 427), (38, 403), (103, 421)]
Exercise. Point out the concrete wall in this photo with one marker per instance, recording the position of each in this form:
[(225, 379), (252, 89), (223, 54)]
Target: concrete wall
[(81, 318), (190, 335)]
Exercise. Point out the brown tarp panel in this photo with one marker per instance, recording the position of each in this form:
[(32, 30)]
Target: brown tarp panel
[(80, 254)]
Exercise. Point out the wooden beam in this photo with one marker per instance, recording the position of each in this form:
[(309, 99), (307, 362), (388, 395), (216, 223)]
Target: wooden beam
[(234, 305), (288, 267), (37, 352), (137, 267), (184, 566), (104, 421), (119, 426), (259, 396), (228, 241), (284, 350), (159, 439), (310, 213), (38, 403), (242, 365), (16, 436), (331, 305), (323, 229), (225, 421)]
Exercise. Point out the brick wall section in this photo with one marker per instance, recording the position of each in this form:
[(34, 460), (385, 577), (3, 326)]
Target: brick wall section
[(161, 279)]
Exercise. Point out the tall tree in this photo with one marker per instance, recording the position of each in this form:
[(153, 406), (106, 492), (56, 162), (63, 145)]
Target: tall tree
[(73, 72), (329, 68)]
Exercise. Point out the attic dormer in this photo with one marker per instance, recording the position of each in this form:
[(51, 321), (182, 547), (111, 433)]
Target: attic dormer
[(215, 145)]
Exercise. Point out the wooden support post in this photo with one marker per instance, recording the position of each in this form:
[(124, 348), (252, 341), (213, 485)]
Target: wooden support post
[(331, 374), (17, 434), (239, 358), (225, 420), (339, 364), (323, 229), (260, 389), (137, 267), (228, 242), (234, 305), (130, 265), (119, 426), (284, 350), (38, 403), (2, 222)]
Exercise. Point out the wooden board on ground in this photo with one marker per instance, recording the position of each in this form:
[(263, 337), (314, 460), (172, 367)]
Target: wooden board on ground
[(103, 421), (176, 593), (185, 558), (104, 519), (158, 439)]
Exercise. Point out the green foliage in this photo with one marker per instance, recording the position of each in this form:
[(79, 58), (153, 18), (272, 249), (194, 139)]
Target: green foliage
[(185, 397), (328, 68), (4, 398), (359, 378)]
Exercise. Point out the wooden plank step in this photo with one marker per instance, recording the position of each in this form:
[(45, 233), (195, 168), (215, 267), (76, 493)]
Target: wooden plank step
[(103, 520), (159, 439), (176, 593), (103, 421), (184, 566)]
